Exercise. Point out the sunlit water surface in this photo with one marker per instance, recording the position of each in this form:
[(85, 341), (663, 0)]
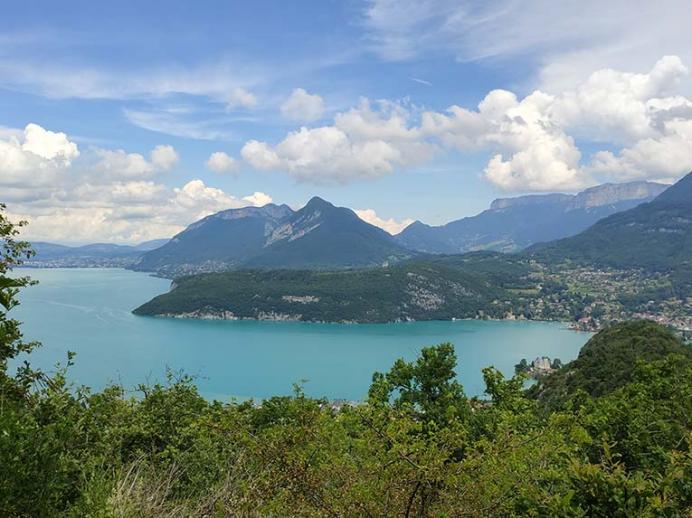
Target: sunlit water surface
[(88, 311)]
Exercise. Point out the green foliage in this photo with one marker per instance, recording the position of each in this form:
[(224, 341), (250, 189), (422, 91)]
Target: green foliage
[(655, 236), (441, 288), (608, 360), (522, 366), (171, 453), (12, 252), (417, 447), (427, 388)]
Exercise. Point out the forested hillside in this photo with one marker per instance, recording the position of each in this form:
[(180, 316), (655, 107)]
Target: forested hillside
[(655, 235), (440, 288)]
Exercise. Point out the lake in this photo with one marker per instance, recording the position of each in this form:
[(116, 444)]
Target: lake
[(88, 311)]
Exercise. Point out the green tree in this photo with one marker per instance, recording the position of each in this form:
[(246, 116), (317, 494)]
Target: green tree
[(12, 344), (427, 387), (522, 366)]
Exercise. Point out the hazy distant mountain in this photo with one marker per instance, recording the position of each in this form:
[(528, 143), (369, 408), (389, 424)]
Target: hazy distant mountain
[(225, 239), (151, 245), (319, 235), (97, 254), (515, 223), (655, 235)]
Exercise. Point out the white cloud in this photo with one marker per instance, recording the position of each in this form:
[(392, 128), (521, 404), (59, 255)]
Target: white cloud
[(178, 124), (103, 195), (49, 145), (241, 97), (259, 155), (535, 152), (164, 157), (533, 136), (120, 164), (363, 143), (533, 142), (221, 162), (32, 158), (390, 225), (258, 199), (567, 40), (302, 106), (56, 79), (614, 105), (129, 211), (664, 157)]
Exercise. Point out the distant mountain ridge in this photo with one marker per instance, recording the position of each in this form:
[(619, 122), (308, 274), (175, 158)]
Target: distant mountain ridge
[(512, 224), (222, 240), (322, 236), (95, 254), (318, 236), (655, 235)]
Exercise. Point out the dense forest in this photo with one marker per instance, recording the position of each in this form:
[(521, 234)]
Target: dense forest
[(606, 435), (437, 288)]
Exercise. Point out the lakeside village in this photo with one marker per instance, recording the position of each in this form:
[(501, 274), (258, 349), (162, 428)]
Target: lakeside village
[(591, 298)]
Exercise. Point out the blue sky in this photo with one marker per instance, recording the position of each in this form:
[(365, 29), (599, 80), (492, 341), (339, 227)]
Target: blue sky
[(412, 109)]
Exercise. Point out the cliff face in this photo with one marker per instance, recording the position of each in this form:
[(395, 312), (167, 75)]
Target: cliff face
[(655, 235), (512, 224), (319, 235), (598, 196), (608, 194)]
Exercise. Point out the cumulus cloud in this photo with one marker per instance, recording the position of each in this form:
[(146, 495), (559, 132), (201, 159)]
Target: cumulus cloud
[(129, 211), (164, 157), (533, 142), (49, 145), (389, 225), (364, 142), (33, 157), (221, 162), (534, 135), (118, 164), (259, 155), (302, 106), (102, 194), (241, 97), (535, 152), (258, 199)]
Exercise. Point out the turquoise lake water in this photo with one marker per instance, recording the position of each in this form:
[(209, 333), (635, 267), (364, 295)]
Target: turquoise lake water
[(88, 311)]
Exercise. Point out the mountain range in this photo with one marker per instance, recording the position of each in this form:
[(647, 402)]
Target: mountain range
[(512, 224), (651, 242), (656, 235), (322, 236), (96, 254), (318, 236)]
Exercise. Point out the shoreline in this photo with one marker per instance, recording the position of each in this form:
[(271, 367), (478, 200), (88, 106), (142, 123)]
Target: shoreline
[(225, 315)]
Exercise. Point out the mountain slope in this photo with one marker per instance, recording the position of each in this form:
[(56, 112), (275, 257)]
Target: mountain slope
[(655, 235), (514, 223), (321, 235), (225, 239)]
